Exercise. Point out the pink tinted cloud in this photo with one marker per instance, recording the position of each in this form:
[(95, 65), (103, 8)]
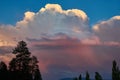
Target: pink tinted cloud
[(70, 54)]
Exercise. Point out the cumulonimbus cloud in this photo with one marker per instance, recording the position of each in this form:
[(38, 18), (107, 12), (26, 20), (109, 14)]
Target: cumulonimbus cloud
[(50, 20), (53, 19)]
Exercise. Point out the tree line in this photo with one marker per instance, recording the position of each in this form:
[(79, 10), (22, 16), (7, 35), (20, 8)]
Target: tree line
[(115, 74), (23, 66)]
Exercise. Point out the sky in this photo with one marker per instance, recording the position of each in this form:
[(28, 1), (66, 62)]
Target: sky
[(68, 37)]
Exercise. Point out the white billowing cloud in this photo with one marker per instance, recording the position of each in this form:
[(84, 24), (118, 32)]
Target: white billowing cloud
[(50, 20), (53, 19), (52, 7), (57, 8), (108, 30), (28, 17)]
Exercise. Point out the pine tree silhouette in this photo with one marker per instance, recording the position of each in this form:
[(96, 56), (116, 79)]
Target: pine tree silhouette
[(87, 76), (97, 76), (80, 77), (3, 71), (115, 71), (23, 66)]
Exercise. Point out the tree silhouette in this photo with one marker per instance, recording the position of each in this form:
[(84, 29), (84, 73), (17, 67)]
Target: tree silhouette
[(115, 71), (3, 71), (87, 76), (80, 77), (23, 66), (35, 69), (97, 76)]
